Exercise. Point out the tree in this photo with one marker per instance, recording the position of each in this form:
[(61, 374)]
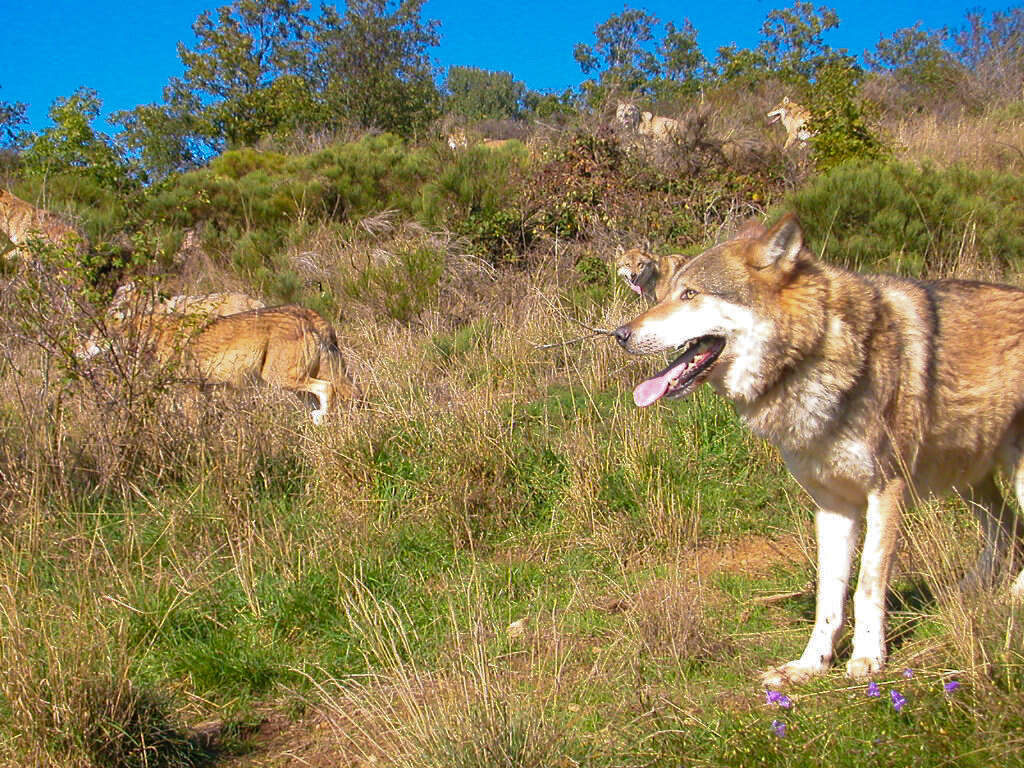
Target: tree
[(71, 145), (792, 47), (792, 39), (12, 120), (373, 66), (917, 62), (683, 63), (248, 70), (993, 50), (624, 55), (478, 94)]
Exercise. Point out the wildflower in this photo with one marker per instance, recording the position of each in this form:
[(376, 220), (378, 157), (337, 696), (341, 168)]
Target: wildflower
[(873, 689), (898, 700), (779, 727), (777, 697), (908, 673), (951, 686)]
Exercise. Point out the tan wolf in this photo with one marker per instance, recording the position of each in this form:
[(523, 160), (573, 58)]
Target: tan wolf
[(646, 273), (661, 129), (289, 346), (794, 119), (876, 390), (20, 221)]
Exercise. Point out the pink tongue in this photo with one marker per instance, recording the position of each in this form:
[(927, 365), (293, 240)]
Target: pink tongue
[(650, 391), (636, 288)]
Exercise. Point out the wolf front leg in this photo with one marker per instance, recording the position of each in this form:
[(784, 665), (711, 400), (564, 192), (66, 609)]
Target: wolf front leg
[(836, 524), (881, 538)]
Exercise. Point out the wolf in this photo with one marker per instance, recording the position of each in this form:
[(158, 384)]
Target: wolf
[(628, 117), (794, 119), (20, 222), (288, 346), (876, 390), (645, 273)]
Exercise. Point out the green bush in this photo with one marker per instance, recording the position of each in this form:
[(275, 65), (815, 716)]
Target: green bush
[(917, 221), (402, 288), (265, 194)]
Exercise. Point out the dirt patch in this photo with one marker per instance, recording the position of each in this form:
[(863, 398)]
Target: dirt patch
[(279, 742), (753, 555)]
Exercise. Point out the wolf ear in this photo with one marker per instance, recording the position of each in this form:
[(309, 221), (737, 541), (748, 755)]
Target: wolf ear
[(780, 245)]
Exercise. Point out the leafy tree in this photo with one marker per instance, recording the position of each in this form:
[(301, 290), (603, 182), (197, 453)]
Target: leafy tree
[(12, 118), (683, 63), (918, 63), (373, 66), (248, 69), (624, 56), (792, 47), (548, 106), (72, 146), (792, 39), (163, 139), (247, 76), (478, 94)]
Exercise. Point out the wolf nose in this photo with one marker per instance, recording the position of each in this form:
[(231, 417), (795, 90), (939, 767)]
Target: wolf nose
[(622, 334)]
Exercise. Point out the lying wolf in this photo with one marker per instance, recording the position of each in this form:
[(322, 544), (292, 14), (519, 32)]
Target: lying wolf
[(289, 347), (875, 389)]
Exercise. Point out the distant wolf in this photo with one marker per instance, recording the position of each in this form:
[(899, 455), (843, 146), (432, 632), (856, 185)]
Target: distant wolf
[(877, 390), (661, 129), (20, 221), (458, 139), (795, 119), (646, 274), (289, 346)]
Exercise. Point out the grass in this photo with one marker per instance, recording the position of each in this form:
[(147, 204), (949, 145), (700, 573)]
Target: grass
[(495, 560)]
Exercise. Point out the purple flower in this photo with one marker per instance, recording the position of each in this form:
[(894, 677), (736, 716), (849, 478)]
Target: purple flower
[(779, 727), (908, 673), (951, 686), (779, 698), (898, 700), (873, 689)]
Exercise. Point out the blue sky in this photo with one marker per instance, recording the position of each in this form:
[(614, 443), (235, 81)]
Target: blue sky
[(127, 51)]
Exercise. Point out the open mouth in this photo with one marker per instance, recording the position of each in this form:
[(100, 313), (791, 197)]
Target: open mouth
[(773, 118), (637, 280), (684, 374)]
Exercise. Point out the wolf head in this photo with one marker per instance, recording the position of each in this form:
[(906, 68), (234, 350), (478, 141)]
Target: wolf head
[(726, 312)]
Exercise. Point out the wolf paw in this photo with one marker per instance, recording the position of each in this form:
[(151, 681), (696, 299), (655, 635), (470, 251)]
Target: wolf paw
[(863, 667), (790, 674)]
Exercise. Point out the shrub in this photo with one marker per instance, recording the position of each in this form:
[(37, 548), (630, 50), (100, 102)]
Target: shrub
[(402, 287), (917, 221), (837, 117)]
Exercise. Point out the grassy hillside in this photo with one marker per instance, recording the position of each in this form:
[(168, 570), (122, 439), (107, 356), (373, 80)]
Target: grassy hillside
[(495, 559)]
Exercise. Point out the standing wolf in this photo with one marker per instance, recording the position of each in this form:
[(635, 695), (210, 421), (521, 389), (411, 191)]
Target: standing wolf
[(875, 389), (795, 119)]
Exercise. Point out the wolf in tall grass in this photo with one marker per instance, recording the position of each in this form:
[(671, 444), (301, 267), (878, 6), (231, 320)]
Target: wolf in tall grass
[(289, 347), (877, 390)]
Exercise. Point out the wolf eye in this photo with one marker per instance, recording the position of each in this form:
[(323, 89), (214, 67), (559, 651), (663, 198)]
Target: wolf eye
[(688, 293)]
